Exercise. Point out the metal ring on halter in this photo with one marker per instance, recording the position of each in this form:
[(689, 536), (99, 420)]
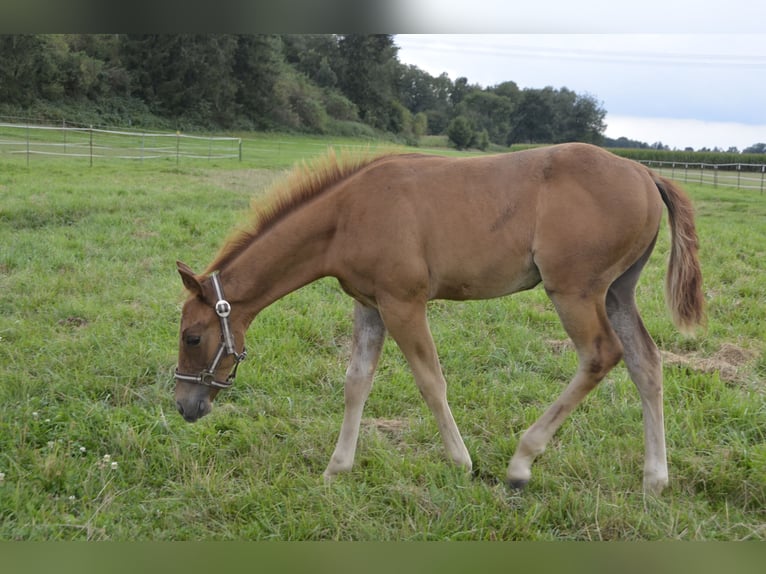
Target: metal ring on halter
[(207, 377), (223, 309)]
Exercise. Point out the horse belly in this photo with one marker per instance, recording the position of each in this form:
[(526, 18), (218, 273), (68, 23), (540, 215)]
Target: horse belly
[(484, 279)]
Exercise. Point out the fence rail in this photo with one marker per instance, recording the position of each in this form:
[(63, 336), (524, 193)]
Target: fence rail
[(739, 175), (30, 140), (94, 143)]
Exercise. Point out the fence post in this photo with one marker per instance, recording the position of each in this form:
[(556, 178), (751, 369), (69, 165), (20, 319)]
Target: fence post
[(763, 173), (91, 145), (27, 143), (240, 159), (178, 145)]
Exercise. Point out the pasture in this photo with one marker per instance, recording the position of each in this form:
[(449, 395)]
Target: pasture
[(91, 447)]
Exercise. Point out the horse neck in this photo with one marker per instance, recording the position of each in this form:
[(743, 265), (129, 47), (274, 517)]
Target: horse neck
[(287, 256)]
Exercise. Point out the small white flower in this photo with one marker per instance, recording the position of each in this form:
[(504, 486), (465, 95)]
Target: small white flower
[(2, 477), (114, 466), (107, 457), (35, 414), (72, 498), (51, 444), (82, 449)]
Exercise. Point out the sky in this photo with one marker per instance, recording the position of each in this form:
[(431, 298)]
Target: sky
[(682, 89)]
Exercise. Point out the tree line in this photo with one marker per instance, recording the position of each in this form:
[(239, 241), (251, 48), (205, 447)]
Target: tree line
[(336, 84)]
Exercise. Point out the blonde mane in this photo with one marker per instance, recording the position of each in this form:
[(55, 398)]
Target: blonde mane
[(305, 181)]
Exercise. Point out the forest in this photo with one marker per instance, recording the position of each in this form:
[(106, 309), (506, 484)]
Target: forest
[(350, 85)]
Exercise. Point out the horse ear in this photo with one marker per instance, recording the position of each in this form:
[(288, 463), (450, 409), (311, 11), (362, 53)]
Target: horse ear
[(189, 278)]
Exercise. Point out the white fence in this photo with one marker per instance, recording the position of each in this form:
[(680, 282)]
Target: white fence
[(94, 144), (739, 175)]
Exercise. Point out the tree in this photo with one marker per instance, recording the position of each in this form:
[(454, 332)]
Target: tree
[(419, 125), (483, 140), (416, 89), (317, 56), (28, 70), (257, 66), (508, 90), (533, 118), (556, 116), (184, 75), (441, 112), (489, 112), (368, 75), (315, 82), (459, 90), (578, 118), (461, 133), (755, 148)]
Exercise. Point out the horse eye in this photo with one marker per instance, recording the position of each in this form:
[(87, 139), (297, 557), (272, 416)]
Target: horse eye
[(193, 340)]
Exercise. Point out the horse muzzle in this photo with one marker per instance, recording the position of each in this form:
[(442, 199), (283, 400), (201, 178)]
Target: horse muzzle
[(194, 410)]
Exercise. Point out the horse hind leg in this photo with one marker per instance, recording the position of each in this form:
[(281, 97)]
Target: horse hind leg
[(367, 344), (598, 348), (642, 359)]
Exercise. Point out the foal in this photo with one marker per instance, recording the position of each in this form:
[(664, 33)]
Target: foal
[(400, 230)]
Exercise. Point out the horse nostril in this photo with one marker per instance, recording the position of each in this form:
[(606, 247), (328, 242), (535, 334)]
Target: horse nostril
[(194, 412)]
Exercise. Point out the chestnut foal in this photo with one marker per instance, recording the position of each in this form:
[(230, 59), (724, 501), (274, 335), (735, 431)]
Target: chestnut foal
[(400, 230)]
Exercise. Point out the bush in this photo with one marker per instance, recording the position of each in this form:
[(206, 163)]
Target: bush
[(339, 107), (460, 133), (351, 129)]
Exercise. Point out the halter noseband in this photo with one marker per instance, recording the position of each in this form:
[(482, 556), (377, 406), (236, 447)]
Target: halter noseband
[(226, 347)]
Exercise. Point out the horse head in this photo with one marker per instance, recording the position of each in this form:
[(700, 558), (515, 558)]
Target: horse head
[(207, 345)]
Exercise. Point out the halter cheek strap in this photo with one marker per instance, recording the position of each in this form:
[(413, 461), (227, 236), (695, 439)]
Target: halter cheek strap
[(225, 348)]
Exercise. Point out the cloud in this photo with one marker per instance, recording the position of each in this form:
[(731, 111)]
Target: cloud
[(585, 16), (709, 77)]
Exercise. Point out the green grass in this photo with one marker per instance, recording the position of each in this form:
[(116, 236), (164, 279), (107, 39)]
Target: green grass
[(91, 446)]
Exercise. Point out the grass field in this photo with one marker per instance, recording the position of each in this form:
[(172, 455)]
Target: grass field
[(91, 446)]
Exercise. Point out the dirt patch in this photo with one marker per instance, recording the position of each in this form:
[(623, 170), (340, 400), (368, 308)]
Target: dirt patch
[(560, 346), (727, 361), (74, 322), (393, 428), (735, 355)]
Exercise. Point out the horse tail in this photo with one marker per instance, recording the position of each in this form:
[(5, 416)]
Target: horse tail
[(683, 286)]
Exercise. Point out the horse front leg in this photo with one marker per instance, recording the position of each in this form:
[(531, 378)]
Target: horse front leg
[(366, 346), (408, 326)]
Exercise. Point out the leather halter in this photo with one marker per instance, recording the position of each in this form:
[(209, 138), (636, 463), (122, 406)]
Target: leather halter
[(225, 348)]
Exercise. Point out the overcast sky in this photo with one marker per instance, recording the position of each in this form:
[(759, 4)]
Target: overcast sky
[(698, 90)]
